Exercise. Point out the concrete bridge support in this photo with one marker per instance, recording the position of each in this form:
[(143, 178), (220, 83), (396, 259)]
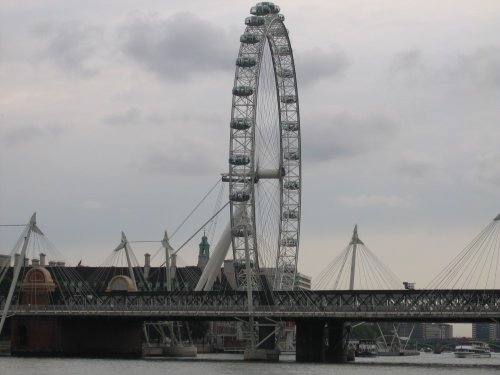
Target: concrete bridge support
[(321, 341), (267, 350), (76, 336), (310, 343), (336, 350)]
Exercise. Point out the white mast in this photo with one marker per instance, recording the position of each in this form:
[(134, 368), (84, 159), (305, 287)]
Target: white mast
[(32, 227), (125, 246), (354, 242), (166, 244)]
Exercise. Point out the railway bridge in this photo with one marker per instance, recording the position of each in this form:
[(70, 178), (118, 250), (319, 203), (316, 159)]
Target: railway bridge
[(112, 321)]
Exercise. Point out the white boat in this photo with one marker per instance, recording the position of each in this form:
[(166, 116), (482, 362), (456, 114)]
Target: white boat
[(475, 349), (367, 348)]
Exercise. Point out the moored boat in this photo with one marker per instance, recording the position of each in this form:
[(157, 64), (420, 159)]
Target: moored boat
[(475, 349), (367, 348)]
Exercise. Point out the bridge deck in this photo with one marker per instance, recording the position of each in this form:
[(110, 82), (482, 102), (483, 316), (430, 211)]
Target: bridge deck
[(377, 305)]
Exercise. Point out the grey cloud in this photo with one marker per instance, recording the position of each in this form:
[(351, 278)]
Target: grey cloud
[(179, 46), (316, 64), (408, 61), (154, 119), (344, 135), (466, 70), (137, 117), (91, 205), (408, 68), (179, 157), (363, 200), (483, 66), (417, 169), (130, 117), (70, 45), (484, 170), (133, 117), (14, 136)]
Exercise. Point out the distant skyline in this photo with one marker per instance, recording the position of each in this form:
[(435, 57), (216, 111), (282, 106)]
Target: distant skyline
[(115, 116)]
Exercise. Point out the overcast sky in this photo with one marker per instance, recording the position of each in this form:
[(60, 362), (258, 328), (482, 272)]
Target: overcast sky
[(115, 116)]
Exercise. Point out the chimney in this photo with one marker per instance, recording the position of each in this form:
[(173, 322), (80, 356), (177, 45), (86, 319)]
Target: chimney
[(42, 259), (52, 263), (35, 262), (147, 265), (16, 259), (60, 264)]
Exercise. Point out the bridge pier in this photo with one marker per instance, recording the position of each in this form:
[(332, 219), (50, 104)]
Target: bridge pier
[(267, 350), (76, 336), (310, 342), (336, 350), (321, 341)]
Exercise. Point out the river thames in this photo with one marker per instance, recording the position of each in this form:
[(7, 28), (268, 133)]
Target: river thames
[(221, 364)]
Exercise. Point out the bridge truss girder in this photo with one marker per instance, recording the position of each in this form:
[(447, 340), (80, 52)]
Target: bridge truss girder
[(407, 305)]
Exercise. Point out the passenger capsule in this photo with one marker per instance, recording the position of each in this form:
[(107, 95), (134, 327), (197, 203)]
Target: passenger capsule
[(239, 230), (249, 38), (246, 62), (290, 126), (281, 17), (288, 99), (290, 214), (239, 196), (282, 51), (291, 185), (289, 241), (260, 10), (291, 155), (241, 263), (239, 159), (242, 91), (285, 73), (273, 7), (254, 21), (241, 123)]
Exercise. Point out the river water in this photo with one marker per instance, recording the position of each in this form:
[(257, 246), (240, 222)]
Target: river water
[(222, 364)]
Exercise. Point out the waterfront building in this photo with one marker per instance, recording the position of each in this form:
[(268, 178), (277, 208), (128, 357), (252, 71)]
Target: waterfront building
[(486, 331), (437, 331)]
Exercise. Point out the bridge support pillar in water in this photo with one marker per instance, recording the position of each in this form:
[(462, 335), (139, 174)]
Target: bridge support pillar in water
[(320, 341), (79, 337), (267, 350), (336, 350), (310, 342)]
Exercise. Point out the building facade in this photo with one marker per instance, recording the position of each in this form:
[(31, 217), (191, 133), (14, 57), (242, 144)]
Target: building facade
[(486, 331)]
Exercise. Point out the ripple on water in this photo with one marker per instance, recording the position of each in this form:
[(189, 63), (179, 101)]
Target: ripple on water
[(230, 364)]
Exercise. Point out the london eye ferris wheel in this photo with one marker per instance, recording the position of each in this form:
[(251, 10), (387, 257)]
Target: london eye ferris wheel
[(264, 153)]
